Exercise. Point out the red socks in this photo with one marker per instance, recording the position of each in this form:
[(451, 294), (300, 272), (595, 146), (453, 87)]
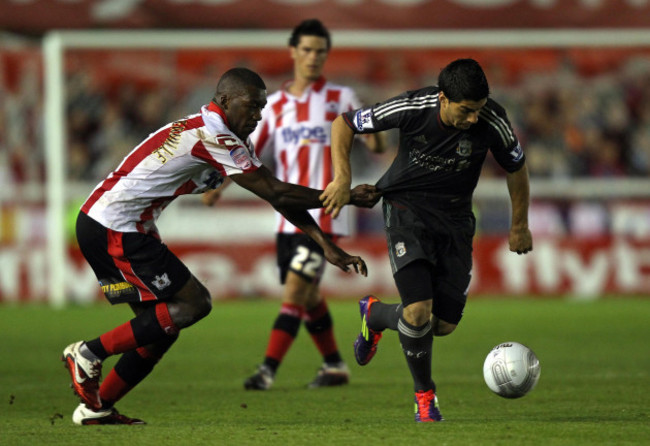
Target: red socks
[(150, 326), (284, 332), (318, 322)]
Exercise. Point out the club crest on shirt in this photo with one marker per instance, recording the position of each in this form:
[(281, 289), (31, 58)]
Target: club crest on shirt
[(240, 157), (464, 147), (363, 120), (400, 249)]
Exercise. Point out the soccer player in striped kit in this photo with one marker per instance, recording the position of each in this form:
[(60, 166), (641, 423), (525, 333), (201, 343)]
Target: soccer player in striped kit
[(296, 126), (117, 234), (446, 132)]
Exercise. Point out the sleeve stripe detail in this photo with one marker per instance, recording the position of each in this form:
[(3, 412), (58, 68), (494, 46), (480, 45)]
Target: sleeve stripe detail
[(500, 125), (399, 105)]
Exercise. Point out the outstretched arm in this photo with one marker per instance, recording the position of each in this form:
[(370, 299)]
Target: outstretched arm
[(520, 238), (279, 194), (292, 201), (336, 194), (293, 196)]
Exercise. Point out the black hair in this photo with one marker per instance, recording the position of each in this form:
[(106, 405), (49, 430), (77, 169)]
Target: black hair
[(311, 27), (239, 78), (463, 79)]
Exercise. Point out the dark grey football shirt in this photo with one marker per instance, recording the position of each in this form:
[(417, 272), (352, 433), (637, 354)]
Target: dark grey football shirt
[(437, 167)]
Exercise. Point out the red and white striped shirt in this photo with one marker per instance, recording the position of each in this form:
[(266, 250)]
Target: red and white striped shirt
[(188, 156), (297, 129)]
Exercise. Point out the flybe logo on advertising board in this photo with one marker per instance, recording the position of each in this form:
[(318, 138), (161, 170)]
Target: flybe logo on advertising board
[(304, 134)]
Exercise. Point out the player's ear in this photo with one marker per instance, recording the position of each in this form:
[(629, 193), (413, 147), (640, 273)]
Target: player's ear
[(442, 98), (223, 101)]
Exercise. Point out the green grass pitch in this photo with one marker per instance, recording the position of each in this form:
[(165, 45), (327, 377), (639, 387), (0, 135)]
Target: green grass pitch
[(594, 386)]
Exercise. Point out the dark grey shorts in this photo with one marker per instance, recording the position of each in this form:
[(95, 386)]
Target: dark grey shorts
[(443, 240)]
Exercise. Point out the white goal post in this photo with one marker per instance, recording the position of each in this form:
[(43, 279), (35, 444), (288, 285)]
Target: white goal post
[(56, 43)]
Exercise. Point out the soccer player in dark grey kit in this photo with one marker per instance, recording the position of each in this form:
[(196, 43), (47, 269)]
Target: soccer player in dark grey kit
[(445, 132)]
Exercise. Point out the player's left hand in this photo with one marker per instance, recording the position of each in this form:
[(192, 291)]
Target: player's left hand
[(364, 196), (336, 256), (334, 197), (520, 240)]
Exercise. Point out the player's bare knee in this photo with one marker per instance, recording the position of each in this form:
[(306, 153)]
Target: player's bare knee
[(206, 308), (190, 305), (203, 302), (300, 291), (187, 313), (418, 313), (442, 328)]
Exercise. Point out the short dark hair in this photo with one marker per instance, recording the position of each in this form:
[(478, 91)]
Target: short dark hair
[(463, 79), (239, 78), (310, 27)]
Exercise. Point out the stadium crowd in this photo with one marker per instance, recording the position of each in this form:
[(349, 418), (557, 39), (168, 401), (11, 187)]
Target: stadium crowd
[(570, 125)]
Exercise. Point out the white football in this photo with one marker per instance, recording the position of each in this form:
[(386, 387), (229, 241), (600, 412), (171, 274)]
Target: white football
[(511, 370)]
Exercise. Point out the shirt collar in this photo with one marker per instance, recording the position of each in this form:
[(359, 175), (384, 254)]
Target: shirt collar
[(318, 84), (218, 110)]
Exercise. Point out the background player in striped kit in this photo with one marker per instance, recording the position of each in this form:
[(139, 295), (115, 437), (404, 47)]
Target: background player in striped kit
[(445, 134), (117, 234), (296, 127)]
